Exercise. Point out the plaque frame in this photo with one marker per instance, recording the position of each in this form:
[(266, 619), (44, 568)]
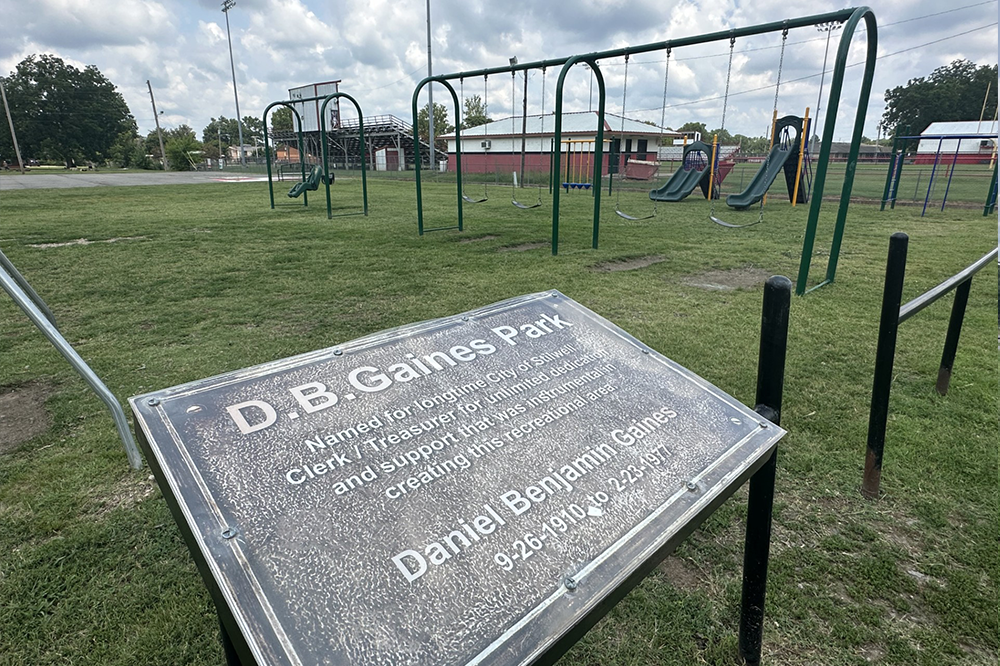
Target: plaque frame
[(533, 645)]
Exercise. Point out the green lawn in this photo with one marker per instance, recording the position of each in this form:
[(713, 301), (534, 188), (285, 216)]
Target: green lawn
[(205, 279)]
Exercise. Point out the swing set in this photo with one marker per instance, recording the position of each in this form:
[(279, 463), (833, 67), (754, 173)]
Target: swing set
[(319, 173), (850, 18)]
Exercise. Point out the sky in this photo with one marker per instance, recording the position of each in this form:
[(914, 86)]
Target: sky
[(378, 49)]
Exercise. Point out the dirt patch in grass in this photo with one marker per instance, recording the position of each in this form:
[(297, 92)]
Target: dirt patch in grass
[(129, 491), (86, 241), (681, 575), (477, 239), (630, 264), (523, 247), (746, 277), (22, 414)]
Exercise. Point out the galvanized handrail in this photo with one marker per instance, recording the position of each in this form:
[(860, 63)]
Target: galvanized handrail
[(931, 295), (6, 265), (45, 325)]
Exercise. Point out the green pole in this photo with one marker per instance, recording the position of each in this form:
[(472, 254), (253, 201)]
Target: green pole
[(836, 86), (361, 139), (267, 150), (599, 152), (443, 80)]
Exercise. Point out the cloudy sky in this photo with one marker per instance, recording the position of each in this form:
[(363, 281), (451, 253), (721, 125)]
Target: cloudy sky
[(378, 48)]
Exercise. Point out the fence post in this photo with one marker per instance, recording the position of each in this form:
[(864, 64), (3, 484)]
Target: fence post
[(951, 339), (770, 383), (895, 268)]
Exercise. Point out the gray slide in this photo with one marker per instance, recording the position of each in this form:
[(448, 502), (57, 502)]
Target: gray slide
[(762, 180), (681, 184)]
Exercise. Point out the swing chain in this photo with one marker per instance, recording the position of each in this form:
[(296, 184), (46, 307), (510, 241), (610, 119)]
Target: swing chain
[(725, 106), (774, 112)]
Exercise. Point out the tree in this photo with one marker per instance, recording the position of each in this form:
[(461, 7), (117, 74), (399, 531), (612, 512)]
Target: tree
[(282, 119), (474, 113), (180, 144), (218, 135), (951, 93), (441, 125), (63, 113), (752, 144), (695, 127), (253, 130)]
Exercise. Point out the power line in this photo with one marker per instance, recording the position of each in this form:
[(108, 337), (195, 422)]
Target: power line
[(812, 76)]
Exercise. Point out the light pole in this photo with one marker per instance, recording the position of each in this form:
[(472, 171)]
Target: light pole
[(430, 92), (828, 28), (226, 6)]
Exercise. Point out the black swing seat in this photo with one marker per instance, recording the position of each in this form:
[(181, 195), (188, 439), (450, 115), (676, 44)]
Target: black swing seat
[(629, 217), (473, 201), (525, 206), (723, 223)]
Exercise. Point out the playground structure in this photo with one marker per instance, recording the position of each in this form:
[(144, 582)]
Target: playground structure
[(850, 18), (579, 169), (789, 154), (898, 157), (694, 172), (319, 173)]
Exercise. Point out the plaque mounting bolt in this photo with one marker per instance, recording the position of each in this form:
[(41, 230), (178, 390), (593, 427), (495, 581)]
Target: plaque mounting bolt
[(763, 424), (228, 533), (692, 486), (338, 352), (153, 402), (645, 351), (570, 583), (466, 318)]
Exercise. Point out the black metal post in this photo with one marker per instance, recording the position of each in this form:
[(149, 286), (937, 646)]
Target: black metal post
[(951, 339), (770, 384), (232, 659), (895, 269)]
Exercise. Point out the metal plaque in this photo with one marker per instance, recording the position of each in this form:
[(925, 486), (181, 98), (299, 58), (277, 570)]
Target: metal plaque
[(458, 491)]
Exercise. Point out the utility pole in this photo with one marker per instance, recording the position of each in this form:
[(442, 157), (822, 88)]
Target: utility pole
[(430, 91), (10, 121), (159, 134), (226, 6)]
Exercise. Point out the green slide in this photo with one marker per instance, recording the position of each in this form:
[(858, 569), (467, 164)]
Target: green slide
[(311, 182), (694, 169), (681, 184), (762, 180)]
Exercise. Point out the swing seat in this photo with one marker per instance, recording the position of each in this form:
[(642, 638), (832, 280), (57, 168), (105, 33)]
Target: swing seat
[(566, 186), (723, 223), (585, 186), (473, 201), (629, 217), (525, 206)]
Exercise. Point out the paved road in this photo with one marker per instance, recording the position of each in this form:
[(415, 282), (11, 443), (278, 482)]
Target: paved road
[(39, 181)]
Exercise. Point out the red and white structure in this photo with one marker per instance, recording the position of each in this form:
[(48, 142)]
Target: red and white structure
[(496, 146)]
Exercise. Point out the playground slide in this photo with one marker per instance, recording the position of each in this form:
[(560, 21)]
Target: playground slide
[(681, 184), (762, 180)]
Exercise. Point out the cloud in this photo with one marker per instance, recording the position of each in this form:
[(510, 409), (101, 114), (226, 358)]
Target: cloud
[(378, 49)]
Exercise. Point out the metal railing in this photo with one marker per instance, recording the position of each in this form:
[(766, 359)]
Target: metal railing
[(892, 316), (40, 315)]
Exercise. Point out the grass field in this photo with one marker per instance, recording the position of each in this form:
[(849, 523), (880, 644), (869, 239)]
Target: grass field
[(205, 279)]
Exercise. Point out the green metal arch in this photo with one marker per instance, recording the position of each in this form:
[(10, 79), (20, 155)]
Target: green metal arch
[(361, 138), (267, 150), (443, 80)]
